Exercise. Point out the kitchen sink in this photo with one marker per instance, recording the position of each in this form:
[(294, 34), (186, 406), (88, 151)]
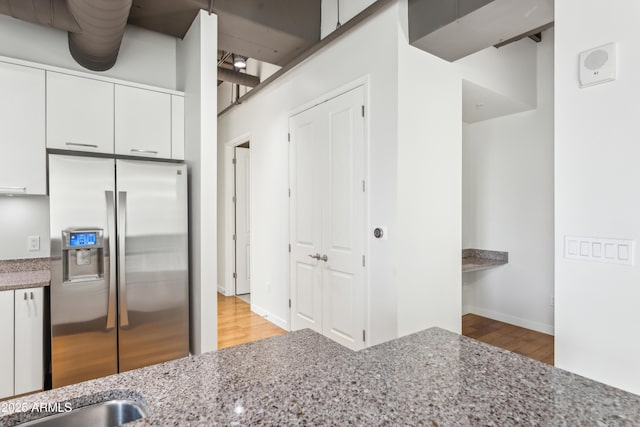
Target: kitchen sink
[(106, 414)]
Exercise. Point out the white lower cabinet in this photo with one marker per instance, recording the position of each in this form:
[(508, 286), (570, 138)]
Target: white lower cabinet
[(21, 365), (6, 349), (28, 339)]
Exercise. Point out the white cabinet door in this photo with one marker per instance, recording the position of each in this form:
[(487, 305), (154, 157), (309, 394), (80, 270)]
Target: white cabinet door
[(6, 349), (142, 122), (177, 127), (22, 130), (28, 340), (79, 113)]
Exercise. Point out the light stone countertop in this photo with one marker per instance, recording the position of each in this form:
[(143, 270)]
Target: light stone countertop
[(480, 259), (24, 273), (431, 378)]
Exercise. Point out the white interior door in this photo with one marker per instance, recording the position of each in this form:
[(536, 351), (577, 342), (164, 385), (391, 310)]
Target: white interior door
[(243, 279), (305, 221), (343, 224), (327, 213)]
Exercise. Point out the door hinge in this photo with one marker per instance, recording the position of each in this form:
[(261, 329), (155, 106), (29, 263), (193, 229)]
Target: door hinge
[(364, 186), (289, 247), (235, 237), (364, 336), (235, 275), (289, 192), (289, 302), (363, 111), (363, 263), (289, 137), (234, 199), (233, 160)]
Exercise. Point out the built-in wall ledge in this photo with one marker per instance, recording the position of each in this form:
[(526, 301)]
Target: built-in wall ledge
[(480, 259), (24, 273)]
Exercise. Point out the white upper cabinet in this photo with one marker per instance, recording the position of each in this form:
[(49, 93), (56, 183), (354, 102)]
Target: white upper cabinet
[(142, 122), (79, 113), (177, 127), (22, 130), (29, 321)]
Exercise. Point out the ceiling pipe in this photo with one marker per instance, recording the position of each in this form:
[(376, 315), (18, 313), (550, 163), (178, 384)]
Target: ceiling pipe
[(95, 27), (103, 23), (238, 78), (49, 13)]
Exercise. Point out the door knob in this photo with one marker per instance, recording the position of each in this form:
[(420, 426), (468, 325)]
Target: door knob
[(316, 256), (324, 258)]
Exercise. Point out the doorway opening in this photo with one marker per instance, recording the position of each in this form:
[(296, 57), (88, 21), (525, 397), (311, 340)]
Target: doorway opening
[(237, 323), (508, 197), (241, 222)]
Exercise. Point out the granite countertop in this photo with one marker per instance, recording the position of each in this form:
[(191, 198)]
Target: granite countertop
[(431, 378), (480, 259), (24, 273)]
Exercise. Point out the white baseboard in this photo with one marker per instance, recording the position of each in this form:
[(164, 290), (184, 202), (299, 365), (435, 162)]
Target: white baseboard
[(278, 321), (513, 320), (466, 309), (222, 290)]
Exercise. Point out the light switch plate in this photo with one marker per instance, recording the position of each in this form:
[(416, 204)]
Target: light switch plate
[(33, 243), (616, 251)]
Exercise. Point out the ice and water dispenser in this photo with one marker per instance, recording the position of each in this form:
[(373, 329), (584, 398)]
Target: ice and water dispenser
[(82, 255)]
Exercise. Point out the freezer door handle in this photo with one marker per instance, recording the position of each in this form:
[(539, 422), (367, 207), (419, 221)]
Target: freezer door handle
[(111, 229), (122, 277)]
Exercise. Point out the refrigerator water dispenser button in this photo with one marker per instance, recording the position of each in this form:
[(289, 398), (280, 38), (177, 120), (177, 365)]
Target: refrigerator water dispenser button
[(83, 256)]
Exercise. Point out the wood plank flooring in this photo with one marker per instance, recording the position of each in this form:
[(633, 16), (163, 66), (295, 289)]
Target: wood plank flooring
[(237, 324), (523, 341)]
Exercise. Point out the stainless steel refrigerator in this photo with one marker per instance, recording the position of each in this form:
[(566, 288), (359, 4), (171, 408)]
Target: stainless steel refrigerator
[(119, 282)]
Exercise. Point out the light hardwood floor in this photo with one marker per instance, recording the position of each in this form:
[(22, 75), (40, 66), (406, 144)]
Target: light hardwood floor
[(237, 324), (523, 341)]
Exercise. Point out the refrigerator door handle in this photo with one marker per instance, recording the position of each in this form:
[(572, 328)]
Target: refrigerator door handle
[(111, 229), (122, 277)]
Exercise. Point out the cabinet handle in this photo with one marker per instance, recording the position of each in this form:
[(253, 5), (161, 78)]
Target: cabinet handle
[(31, 295), (135, 150), (25, 296), (77, 144), (13, 189)]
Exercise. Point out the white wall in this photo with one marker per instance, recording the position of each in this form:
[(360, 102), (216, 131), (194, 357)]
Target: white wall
[(509, 70), (508, 205), (427, 253), (21, 217), (371, 50), (145, 56), (197, 59), (596, 187), (414, 152), (348, 9)]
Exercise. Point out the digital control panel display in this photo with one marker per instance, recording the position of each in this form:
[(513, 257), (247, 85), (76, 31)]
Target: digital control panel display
[(82, 239)]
